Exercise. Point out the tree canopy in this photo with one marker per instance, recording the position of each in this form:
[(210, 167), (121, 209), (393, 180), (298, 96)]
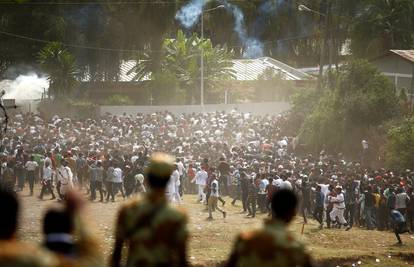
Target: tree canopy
[(361, 100), (99, 33)]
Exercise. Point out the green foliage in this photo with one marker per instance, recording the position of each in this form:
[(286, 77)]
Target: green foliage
[(118, 100), (383, 25), (400, 145), (60, 67), (362, 99), (180, 57)]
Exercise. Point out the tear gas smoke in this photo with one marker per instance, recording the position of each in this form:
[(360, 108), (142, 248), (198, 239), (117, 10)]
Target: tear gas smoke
[(25, 87)]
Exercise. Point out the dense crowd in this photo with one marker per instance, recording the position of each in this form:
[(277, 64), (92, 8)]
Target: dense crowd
[(218, 155)]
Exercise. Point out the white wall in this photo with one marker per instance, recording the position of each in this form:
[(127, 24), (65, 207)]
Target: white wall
[(254, 108)]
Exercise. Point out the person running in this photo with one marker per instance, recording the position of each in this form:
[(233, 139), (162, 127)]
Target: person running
[(31, 167), (65, 177), (213, 199), (399, 224), (47, 181), (338, 208), (150, 225)]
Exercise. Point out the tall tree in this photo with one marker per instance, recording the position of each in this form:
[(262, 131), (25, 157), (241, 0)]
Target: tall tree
[(60, 67), (381, 25)]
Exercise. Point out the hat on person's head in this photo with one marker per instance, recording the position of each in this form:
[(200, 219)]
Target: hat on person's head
[(161, 165)]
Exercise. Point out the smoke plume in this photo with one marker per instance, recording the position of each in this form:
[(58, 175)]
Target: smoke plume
[(189, 14), (25, 87), (253, 47)]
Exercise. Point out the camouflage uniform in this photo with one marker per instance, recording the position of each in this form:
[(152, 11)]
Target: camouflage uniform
[(153, 231), (17, 254), (271, 246)]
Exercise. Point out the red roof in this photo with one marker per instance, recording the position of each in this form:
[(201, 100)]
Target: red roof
[(406, 54)]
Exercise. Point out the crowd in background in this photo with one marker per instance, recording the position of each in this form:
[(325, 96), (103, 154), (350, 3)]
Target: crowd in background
[(218, 154)]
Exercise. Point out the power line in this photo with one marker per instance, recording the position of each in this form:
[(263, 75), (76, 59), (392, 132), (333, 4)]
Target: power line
[(75, 45), (132, 50), (112, 3)]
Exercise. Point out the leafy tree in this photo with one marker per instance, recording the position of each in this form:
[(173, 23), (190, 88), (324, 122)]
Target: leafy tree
[(382, 25), (181, 57), (400, 145), (362, 99), (61, 68)]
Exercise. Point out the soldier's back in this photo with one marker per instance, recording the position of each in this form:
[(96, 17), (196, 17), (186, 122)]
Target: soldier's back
[(154, 231), (273, 245)]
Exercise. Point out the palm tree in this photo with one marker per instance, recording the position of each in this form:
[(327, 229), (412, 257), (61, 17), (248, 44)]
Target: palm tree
[(181, 57), (60, 67)]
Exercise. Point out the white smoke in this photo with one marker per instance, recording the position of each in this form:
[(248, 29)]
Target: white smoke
[(25, 87), (189, 14), (253, 47)]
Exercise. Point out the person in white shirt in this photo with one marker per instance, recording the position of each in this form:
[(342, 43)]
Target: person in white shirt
[(401, 200), (31, 167), (47, 180), (212, 200), (174, 185), (201, 180), (338, 207), (117, 183), (65, 179), (181, 171)]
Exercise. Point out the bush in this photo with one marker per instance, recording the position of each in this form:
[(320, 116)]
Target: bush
[(361, 100), (399, 152), (118, 100)]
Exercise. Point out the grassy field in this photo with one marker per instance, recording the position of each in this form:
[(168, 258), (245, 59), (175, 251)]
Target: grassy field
[(211, 241)]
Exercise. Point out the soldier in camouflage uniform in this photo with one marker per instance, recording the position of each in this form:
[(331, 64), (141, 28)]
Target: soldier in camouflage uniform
[(273, 245), (155, 233), (12, 252)]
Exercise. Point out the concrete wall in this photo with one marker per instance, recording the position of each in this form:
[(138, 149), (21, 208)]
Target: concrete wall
[(254, 108)]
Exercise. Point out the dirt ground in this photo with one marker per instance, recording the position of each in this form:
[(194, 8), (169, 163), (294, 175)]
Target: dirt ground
[(211, 241)]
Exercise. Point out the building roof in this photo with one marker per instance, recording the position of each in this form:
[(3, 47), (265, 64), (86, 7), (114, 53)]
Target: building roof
[(406, 54), (252, 69), (244, 70)]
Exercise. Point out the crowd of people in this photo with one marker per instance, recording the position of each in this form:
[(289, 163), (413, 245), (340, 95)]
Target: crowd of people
[(218, 154)]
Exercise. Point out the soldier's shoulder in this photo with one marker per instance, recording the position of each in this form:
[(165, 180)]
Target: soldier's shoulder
[(22, 254), (174, 213), (133, 203)]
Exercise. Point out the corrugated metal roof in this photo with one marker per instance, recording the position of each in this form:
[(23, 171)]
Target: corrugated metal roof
[(245, 70), (252, 69), (407, 54)]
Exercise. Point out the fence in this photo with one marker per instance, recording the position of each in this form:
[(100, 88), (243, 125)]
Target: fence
[(254, 108)]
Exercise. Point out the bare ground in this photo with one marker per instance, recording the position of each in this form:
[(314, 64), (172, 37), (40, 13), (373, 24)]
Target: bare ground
[(211, 241)]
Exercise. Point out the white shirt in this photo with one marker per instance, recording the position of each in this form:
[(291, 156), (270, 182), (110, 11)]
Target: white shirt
[(401, 200), (278, 182), (117, 175), (47, 173), (215, 184), (286, 185), (339, 201), (175, 177), (324, 189), (64, 175), (201, 177), (181, 168), (31, 165)]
